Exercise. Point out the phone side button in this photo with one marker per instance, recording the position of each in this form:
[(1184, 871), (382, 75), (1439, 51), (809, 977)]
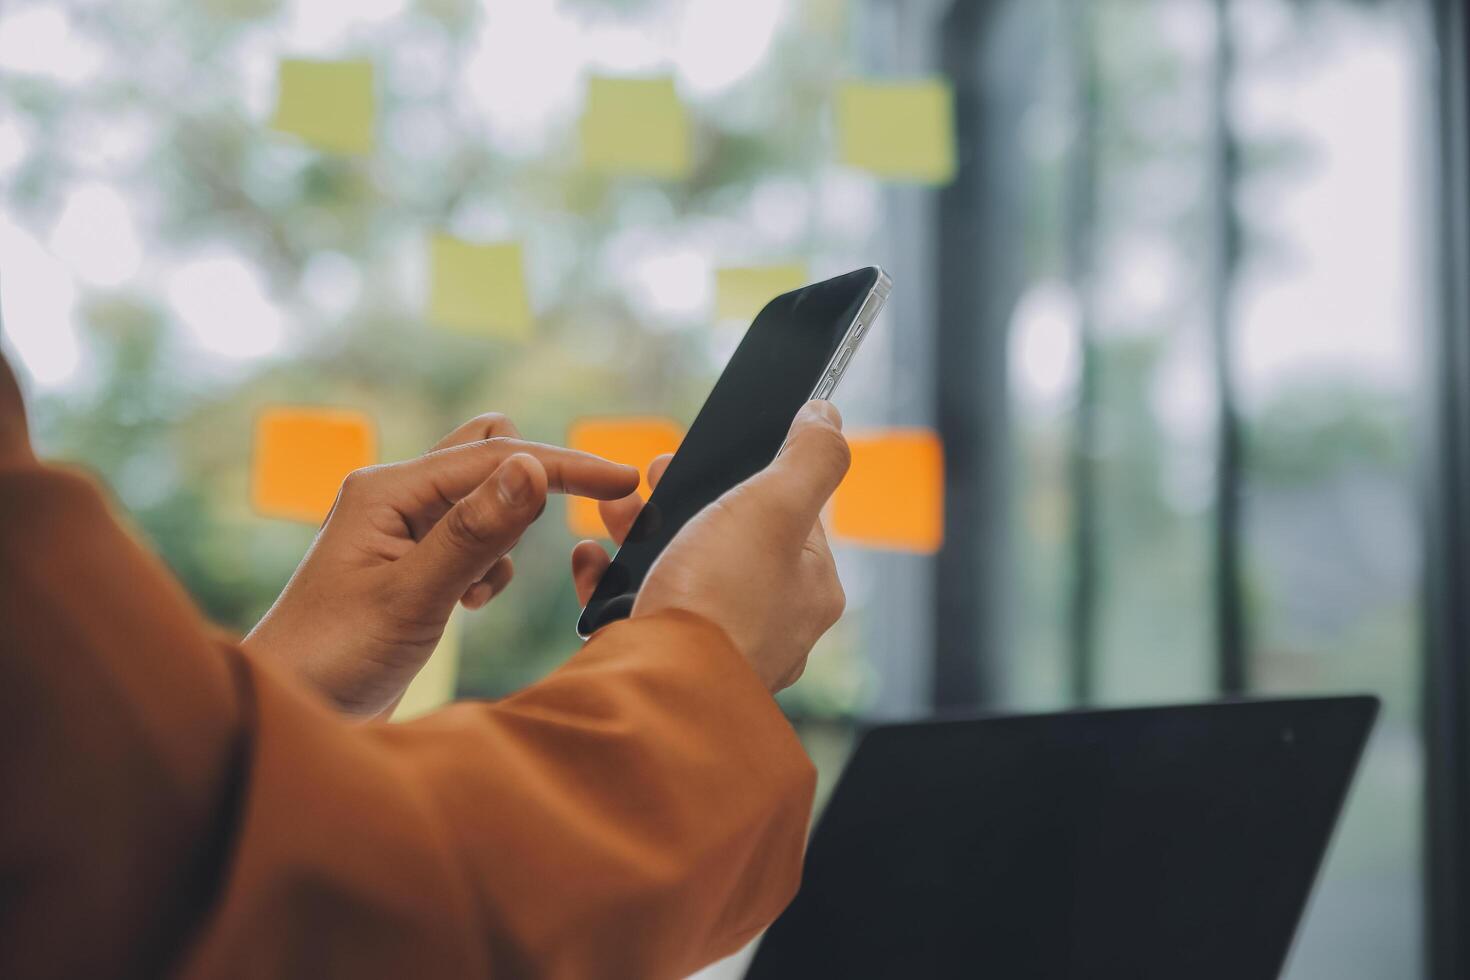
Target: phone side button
[(842, 357), (825, 388), (857, 331)]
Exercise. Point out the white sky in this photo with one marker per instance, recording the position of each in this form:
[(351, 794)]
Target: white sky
[(1340, 294), (1348, 298)]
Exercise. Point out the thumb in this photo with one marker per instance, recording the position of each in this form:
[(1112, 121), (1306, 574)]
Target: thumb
[(813, 462), (479, 530)]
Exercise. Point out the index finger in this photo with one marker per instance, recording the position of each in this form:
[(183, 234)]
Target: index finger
[(618, 515), (486, 426), (457, 470)]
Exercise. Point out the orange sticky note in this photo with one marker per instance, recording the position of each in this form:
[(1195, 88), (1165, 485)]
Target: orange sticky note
[(301, 457), (632, 440), (893, 496)]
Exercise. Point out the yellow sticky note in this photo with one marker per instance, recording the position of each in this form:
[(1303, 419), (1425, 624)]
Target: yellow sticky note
[(329, 104), (898, 130), (301, 457), (635, 440), (435, 684), (893, 496), (479, 288), (825, 16), (635, 126), (741, 291)]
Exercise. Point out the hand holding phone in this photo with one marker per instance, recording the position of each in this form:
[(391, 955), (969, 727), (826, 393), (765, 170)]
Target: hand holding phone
[(756, 562), (797, 349)]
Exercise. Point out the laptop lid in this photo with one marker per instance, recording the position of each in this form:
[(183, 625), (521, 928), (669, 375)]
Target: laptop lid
[(1153, 842)]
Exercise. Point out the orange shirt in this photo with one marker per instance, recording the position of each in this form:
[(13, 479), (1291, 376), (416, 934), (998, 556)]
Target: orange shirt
[(175, 807)]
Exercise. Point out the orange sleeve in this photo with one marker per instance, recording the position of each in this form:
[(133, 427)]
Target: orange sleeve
[(175, 807)]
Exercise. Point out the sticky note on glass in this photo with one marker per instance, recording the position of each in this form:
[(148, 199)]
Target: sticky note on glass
[(635, 126), (435, 684), (893, 496), (479, 288), (328, 104), (302, 455), (636, 440), (900, 131), (741, 291), (825, 16)]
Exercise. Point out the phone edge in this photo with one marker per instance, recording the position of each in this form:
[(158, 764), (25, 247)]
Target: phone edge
[(857, 331), (862, 322)]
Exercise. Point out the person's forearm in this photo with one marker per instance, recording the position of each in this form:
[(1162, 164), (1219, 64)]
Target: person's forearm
[(123, 741), (662, 791), (639, 812)]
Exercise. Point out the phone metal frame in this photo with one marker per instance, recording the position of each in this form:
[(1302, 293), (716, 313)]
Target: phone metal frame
[(826, 386)]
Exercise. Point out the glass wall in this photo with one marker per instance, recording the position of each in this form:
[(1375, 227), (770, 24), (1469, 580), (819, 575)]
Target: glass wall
[(1332, 306), (1116, 389), (1182, 233), (173, 264)]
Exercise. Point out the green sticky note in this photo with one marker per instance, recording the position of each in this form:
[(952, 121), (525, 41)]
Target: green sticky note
[(635, 126), (741, 291), (329, 104), (435, 684), (901, 131), (479, 288)]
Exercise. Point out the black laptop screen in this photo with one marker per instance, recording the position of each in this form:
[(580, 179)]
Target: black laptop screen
[(1162, 842)]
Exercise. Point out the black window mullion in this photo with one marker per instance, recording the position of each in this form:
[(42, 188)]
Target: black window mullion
[(987, 53), (1081, 231), (1231, 623), (1447, 533)]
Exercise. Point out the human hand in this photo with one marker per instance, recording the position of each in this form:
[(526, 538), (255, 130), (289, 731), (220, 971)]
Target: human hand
[(755, 562), (406, 541)]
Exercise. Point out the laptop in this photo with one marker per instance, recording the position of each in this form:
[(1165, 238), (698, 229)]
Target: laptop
[(1176, 842)]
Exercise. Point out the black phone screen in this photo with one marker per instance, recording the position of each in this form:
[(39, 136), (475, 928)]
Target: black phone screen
[(740, 428)]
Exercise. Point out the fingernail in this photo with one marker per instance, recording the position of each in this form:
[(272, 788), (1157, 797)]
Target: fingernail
[(825, 411), (515, 482)]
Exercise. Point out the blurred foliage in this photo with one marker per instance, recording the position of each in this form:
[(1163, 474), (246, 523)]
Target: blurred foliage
[(1329, 437), (171, 435), (1323, 430)]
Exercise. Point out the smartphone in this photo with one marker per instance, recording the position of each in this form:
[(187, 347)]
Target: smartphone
[(796, 349)]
